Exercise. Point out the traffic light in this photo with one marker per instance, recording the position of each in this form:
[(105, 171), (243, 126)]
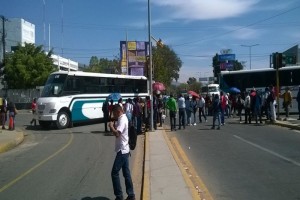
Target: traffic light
[(279, 60), (160, 43), (282, 60), (275, 60)]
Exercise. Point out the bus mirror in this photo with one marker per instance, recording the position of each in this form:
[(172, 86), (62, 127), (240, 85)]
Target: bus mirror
[(55, 90)]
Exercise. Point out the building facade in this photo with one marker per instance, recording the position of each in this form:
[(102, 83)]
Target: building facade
[(293, 55), (17, 31)]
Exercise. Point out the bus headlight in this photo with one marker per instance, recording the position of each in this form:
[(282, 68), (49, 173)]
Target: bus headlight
[(52, 111)]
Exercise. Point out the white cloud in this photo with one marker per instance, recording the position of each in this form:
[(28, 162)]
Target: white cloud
[(202, 10), (242, 33)]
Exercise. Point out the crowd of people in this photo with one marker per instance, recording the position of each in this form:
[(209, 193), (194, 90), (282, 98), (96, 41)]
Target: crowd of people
[(251, 106), (137, 111)]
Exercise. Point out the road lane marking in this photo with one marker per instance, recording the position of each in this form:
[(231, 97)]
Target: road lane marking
[(11, 183), (268, 151)]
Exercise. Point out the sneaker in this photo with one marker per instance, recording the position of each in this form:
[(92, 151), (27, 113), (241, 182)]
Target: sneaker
[(213, 127), (195, 124), (218, 128)]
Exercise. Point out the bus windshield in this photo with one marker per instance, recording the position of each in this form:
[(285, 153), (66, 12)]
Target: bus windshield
[(54, 85), (207, 89)]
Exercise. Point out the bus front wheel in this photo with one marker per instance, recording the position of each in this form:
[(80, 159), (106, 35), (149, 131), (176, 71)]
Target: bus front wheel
[(63, 120)]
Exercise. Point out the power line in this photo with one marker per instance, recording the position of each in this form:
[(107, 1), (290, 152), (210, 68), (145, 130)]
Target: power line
[(251, 24)]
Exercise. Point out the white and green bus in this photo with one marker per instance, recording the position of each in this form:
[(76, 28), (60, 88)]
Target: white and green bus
[(71, 97)]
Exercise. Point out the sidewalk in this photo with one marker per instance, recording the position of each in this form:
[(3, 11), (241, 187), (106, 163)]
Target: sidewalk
[(291, 122), (162, 176), (10, 139)]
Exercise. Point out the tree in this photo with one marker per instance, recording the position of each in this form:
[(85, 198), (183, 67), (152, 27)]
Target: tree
[(27, 67), (191, 80), (104, 65), (166, 65), (94, 64), (194, 85), (237, 65)]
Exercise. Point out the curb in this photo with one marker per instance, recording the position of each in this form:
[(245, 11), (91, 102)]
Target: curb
[(146, 175), (291, 126), (12, 143)]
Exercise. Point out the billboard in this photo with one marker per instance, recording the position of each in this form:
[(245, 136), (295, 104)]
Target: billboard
[(226, 61), (226, 57), (133, 57), (226, 66)]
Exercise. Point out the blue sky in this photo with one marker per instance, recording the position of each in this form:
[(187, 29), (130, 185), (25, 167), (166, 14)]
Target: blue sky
[(196, 30)]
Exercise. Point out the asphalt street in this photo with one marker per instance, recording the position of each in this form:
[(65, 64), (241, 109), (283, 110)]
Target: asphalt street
[(244, 161)]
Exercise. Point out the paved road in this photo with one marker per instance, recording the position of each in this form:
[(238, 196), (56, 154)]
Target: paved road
[(244, 161), (62, 164)]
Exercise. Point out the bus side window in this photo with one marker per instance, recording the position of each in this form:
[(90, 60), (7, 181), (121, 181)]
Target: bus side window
[(72, 86)]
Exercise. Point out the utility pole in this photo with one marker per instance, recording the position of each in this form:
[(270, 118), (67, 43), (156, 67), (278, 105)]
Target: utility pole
[(150, 65), (250, 52), (3, 38)]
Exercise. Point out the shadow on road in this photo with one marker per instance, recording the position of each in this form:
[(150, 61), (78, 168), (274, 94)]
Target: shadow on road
[(95, 198)]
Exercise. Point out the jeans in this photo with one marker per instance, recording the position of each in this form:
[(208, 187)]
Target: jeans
[(287, 109), (173, 120), (138, 124), (182, 117), (202, 112), (121, 162), (188, 117), (195, 118), (248, 115), (222, 115), (216, 115), (106, 119)]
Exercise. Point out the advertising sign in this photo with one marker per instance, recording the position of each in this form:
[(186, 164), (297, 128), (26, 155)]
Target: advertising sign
[(133, 57), (226, 57), (226, 66)]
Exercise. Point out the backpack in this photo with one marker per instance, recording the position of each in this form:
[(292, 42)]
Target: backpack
[(132, 137)]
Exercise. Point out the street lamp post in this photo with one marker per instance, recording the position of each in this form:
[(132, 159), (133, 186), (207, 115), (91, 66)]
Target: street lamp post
[(150, 66), (249, 46)]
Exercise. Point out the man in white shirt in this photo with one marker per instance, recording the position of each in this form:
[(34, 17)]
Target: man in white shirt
[(201, 105), (120, 130), (181, 106)]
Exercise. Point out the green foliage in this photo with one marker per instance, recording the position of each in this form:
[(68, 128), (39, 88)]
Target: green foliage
[(196, 87), (237, 66), (191, 80), (166, 65), (104, 65), (27, 67)]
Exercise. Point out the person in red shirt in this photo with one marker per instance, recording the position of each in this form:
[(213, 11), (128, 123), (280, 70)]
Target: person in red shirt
[(33, 108)]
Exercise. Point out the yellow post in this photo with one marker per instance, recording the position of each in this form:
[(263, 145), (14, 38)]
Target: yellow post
[(278, 92)]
